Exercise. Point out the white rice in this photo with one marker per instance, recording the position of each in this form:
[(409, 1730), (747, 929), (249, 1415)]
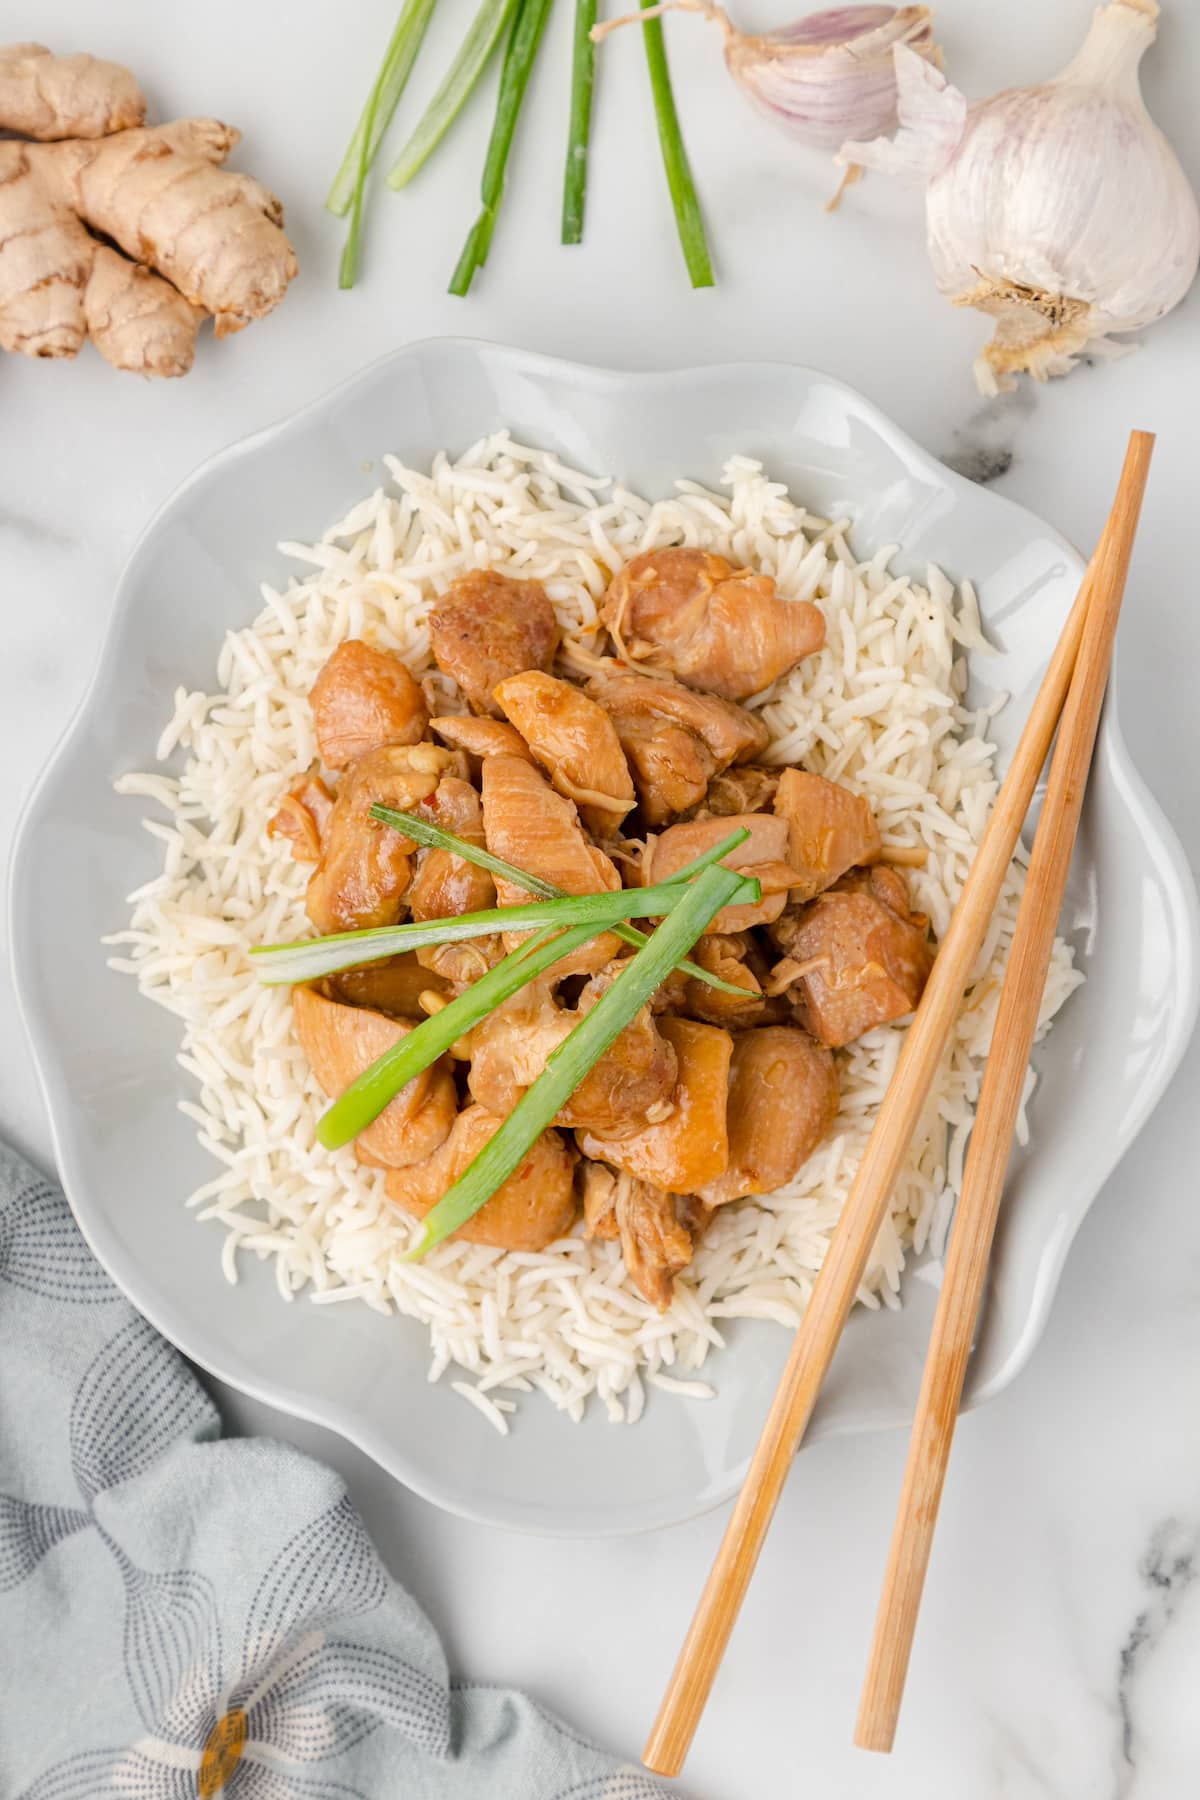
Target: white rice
[(880, 708)]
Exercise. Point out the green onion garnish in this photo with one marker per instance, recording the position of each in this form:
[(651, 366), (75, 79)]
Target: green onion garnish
[(689, 220), (519, 56), (349, 187), (367, 1096), (310, 958), (570, 1062), (482, 38), (435, 838), (583, 75)]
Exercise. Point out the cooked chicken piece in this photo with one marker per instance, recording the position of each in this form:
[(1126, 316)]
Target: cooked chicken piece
[(830, 829), (691, 614), (752, 788), (690, 1147), (364, 872), (857, 956), (763, 855), (393, 986), (675, 740), (598, 1187), (480, 737), (576, 743), (528, 824), (303, 817), (656, 1242), (533, 1207), (737, 959), (487, 626), (783, 1097), (446, 885), (625, 1089), (340, 1042), (362, 700), (633, 1084)]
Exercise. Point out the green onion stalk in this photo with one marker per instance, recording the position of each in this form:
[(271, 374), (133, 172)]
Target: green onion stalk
[(349, 188), (523, 41), (567, 1066), (485, 32)]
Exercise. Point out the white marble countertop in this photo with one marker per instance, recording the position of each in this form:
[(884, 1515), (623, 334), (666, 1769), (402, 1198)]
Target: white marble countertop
[(1059, 1648)]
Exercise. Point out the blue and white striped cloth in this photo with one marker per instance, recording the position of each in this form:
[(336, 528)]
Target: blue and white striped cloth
[(184, 1616)]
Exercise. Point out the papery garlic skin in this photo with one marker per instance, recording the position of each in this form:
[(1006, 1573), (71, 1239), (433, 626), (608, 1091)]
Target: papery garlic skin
[(1060, 210), (825, 77), (831, 75)]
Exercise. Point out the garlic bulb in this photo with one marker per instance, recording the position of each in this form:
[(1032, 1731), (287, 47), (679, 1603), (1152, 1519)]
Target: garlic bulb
[(824, 78), (1060, 210)]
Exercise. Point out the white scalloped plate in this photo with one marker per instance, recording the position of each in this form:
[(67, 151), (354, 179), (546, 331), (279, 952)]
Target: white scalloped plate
[(107, 1058)]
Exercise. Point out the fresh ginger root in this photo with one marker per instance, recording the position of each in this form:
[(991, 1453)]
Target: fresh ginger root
[(196, 238)]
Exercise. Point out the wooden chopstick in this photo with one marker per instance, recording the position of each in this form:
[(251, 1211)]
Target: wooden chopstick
[(865, 1210), (995, 1121)]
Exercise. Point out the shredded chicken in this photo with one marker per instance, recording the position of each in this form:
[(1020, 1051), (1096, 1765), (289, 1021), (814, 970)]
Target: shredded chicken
[(303, 817), (655, 1229), (691, 614)]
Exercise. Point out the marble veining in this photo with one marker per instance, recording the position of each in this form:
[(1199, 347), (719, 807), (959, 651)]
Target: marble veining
[(1167, 1570), (983, 446)]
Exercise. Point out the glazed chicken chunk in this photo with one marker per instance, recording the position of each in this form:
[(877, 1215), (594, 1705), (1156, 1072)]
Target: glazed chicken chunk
[(363, 699), (340, 1042), (533, 1207), (783, 1097), (479, 737), (365, 868), (675, 740), (395, 986), (691, 614), (528, 824), (486, 627), (629, 1086), (446, 885), (856, 956), (739, 959), (576, 743), (763, 855), (690, 1147), (830, 829)]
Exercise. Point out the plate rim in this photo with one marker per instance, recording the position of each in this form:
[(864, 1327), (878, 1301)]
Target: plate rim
[(1177, 878)]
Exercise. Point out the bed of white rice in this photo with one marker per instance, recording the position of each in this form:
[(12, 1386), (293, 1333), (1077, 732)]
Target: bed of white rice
[(881, 709)]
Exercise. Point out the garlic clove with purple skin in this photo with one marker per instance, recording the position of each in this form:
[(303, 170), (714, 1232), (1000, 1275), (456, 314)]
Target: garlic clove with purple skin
[(824, 78), (1061, 211), (814, 77)]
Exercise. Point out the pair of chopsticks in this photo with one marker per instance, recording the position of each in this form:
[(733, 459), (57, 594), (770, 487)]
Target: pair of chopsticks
[(1072, 691)]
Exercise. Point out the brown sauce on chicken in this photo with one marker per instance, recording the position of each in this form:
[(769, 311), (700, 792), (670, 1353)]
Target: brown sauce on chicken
[(706, 1096)]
